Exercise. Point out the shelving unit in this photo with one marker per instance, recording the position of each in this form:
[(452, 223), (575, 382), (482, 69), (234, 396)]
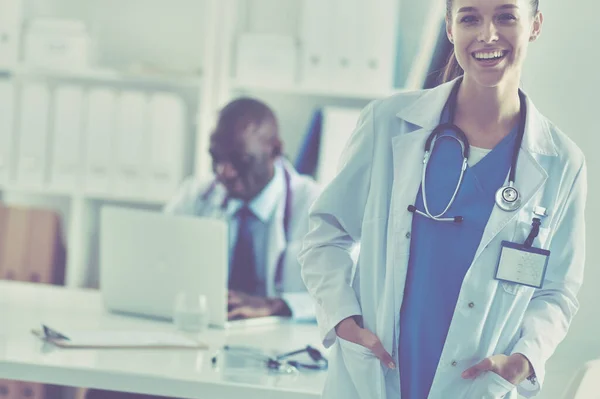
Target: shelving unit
[(137, 38), (108, 76), (133, 55), (300, 90), (49, 191)]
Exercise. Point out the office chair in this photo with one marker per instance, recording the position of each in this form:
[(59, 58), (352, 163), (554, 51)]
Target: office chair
[(31, 249)]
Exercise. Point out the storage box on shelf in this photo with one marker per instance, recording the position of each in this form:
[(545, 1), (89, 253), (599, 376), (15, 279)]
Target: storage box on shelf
[(339, 46), (57, 43)]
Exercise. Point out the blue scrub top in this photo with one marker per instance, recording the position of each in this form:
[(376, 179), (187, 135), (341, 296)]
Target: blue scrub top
[(442, 252)]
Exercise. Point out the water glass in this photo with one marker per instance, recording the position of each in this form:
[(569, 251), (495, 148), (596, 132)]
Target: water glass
[(190, 313)]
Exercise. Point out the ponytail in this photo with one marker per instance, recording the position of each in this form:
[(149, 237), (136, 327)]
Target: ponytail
[(453, 69)]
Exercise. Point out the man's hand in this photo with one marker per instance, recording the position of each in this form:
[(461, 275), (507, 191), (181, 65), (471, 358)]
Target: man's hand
[(514, 369), (246, 306), (349, 330)]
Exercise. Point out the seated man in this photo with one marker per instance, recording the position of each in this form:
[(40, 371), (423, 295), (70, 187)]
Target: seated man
[(266, 204)]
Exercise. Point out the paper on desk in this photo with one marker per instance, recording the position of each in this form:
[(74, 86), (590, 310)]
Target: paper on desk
[(125, 339)]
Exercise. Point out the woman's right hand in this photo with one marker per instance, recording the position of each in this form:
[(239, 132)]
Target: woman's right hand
[(349, 330)]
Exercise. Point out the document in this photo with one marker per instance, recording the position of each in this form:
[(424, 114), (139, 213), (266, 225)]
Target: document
[(117, 339)]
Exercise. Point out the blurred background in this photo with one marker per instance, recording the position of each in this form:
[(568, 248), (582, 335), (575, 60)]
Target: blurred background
[(111, 102)]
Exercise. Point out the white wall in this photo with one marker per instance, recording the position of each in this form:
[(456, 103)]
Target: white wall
[(563, 79)]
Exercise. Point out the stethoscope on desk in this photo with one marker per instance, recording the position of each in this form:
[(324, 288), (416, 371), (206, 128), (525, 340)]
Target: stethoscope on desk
[(507, 197), (287, 214), (277, 362)]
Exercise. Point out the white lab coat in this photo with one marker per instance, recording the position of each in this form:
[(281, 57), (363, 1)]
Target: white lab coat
[(189, 201), (367, 202)]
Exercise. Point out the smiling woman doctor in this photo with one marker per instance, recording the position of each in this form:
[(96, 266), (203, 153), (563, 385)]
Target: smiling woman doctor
[(468, 206)]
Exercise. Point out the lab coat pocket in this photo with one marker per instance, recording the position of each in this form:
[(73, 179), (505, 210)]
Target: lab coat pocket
[(489, 385), (364, 368), (512, 288)]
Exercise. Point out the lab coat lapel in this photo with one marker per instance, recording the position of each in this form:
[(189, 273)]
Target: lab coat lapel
[(408, 150), (407, 154), (530, 176)]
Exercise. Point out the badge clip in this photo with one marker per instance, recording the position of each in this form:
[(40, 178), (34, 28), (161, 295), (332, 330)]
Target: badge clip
[(540, 211)]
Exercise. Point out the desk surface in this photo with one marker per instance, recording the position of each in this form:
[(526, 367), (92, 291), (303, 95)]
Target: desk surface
[(177, 373)]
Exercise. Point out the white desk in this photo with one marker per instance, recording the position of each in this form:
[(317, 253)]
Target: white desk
[(176, 373)]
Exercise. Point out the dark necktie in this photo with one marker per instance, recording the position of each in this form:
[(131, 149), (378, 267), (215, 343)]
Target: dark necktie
[(243, 264)]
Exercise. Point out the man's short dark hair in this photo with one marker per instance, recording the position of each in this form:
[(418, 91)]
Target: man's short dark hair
[(242, 111)]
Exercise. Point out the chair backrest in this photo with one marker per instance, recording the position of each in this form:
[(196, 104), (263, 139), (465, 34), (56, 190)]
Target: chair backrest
[(31, 245), (31, 249), (586, 382)]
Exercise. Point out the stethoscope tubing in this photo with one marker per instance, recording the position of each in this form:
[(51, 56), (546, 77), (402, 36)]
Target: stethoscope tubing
[(502, 202)]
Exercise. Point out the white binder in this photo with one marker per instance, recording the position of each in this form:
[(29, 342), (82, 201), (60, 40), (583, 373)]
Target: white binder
[(337, 127), (67, 137), (99, 141), (7, 94), (10, 23), (377, 44), (167, 134), (345, 33), (33, 135), (130, 150), (316, 42)]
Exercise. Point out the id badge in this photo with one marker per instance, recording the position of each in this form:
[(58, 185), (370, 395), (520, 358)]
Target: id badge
[(522, 265)]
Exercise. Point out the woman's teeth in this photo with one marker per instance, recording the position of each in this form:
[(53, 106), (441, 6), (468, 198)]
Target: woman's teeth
[(488, 55)]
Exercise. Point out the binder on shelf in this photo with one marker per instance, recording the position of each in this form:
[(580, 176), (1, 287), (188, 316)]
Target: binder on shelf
[(99, 128), (10, 23), (131, 128), (315, 42), (33, 135), (344, 44), (167, 134), (67, 138), (377, 44)]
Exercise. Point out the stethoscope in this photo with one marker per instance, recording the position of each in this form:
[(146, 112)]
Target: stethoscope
[(319, 362), (507, 197), (287, 214)]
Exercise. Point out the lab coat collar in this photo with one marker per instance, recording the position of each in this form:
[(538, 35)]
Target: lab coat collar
[(426, 110), (408, 150)]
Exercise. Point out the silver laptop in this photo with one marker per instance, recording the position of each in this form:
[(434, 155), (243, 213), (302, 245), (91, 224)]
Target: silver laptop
[(147, 258)]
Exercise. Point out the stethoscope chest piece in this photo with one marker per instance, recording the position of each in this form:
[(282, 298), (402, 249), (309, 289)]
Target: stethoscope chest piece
[(508, 198)]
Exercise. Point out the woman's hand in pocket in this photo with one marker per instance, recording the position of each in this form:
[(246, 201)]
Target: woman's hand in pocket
[(514, 368), (349, 330)]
